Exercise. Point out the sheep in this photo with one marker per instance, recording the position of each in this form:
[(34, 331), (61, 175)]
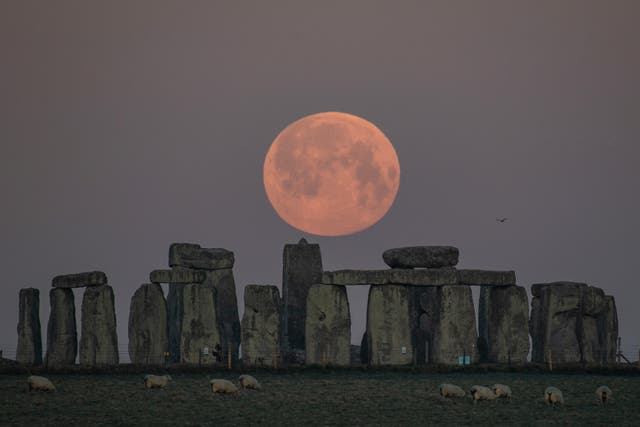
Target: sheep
[(501, 390), (553, 396), (450, 390), (223, 386), (156, 381), (603, 393), (247, 381), (40, 383), (479, 392)]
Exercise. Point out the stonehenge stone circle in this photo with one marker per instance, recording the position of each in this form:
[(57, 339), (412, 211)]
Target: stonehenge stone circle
[(29, 351), (175, 313), (62, 335), (503, 324), (421, 257), (98, 338), (328, 326), (301, 269), (191, 255), (388, 327), (148, 334), (91, 278), (200, 327), (261, 325)]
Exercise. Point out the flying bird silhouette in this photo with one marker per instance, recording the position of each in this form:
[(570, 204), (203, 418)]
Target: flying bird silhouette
[(501, 219)]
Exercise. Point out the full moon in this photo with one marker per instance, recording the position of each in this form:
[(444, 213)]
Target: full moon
[(331, 174)]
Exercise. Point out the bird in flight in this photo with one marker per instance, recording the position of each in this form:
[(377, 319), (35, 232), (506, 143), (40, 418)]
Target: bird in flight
[(501, 219)]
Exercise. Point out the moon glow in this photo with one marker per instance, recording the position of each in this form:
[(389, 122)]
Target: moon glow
[(331, 174)]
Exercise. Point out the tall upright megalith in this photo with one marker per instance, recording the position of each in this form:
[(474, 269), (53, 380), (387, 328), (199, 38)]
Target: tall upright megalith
[(301, 269), (389, 338), (62, 335), (29, 350), (455, 334), (148, 340), (175, 313), (261, 326), (200, 338), (328, 326), (98, 339), (226, 310)]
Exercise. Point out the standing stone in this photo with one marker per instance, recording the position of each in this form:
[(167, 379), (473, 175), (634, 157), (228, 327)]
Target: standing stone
[(388, 325), (148, 340), (364, 349), (29, 350), (260, 325), (594, 305), (302, 268), (62, 336), (609, 331), (503, 324), (226, 311), (98, 340), (200, 326), (328, 326), (421, 257), (175, 312)]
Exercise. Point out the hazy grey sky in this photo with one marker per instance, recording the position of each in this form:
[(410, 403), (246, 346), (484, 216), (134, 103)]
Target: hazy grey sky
[(128, 125)]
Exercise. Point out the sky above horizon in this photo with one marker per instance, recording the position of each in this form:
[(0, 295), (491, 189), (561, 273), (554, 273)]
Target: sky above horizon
[(129, 125)]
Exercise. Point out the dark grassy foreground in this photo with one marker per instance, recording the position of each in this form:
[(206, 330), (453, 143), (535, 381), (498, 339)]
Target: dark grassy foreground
[(316, 398)]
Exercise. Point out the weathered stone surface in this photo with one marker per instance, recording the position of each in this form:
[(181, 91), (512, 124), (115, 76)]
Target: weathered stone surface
[(29, 351), (177, 275), (90, 278), (62, 335), (364, 349), (422, 277), (328, 326), (504, 324), (226, 311), (200, 326), (608, 331), (421, 257), (302, 268), (98, 339), (388, 326), (148, 334), (424, 313), (194, 256), (486, 278), (594, 304), (261, 325), (354, 354), (175, 313)]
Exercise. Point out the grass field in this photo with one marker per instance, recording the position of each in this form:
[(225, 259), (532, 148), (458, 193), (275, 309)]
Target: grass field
[(325, 397)]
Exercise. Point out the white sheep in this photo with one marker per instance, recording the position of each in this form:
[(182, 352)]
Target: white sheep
[(156, 381), (247, 381), (501, 390), (450, 390), (553, 396), (480, 392), (40, 383), (603, 393), (223, 386)]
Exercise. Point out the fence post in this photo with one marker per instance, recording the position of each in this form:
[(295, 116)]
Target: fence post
[(550, 361)]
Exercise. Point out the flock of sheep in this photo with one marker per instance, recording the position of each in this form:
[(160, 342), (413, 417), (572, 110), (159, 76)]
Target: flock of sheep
[(552, 395)]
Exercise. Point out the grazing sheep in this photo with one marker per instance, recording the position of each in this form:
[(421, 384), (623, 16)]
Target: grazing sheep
[(553, 396), (156, 381), (501, 390), (247, 381), (603, 393), (451, 390), (223, 386), (40, 383), (480, 392)]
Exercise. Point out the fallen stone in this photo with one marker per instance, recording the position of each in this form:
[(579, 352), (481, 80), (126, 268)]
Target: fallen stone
[(302, 268), (328, 326), (148, 339), (91, 278), (486, 278), (62, 335), (29, 351), (423, 277), (261, 326), (388, 326), (177, 275), (504, 324), (421, 257), (194, 256), (175, 313), (98, 339), (200, 338)]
